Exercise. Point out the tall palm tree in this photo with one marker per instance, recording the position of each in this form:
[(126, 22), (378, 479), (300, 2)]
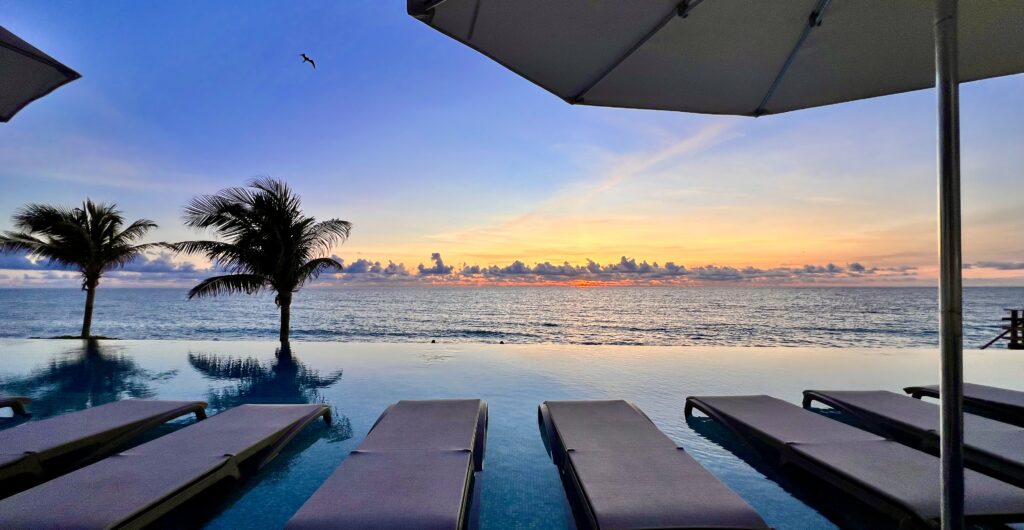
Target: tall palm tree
[(268, 243), (91, 239)]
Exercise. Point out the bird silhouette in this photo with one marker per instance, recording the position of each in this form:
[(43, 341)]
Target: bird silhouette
[(306, 59)]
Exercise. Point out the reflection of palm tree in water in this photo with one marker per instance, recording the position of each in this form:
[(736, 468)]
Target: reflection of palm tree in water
[(284, 380), (82, 377)]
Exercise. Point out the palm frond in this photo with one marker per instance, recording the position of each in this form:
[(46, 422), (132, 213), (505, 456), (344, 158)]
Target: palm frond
[(264, 236), (89, 237), (326, 234), (210, 248), (277, 192), (212, 211), (40, 218), (20, 242), (312, 269), (118, 256), (135, 231), (228, 284)]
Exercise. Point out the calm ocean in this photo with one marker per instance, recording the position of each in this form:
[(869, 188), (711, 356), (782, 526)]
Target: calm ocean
[(865, 317)]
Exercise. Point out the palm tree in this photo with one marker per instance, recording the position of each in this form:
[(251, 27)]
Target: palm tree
[(91, 239), (269, 244)]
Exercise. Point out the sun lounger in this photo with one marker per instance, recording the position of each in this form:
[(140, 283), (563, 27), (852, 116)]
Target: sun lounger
[(15, 403), (138, 486), (38, 450), (414, 470), (620, 471), (992, 447), (992, 402), (893, 478)]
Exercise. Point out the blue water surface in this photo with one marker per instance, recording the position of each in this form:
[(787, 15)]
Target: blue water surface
[(520, 488), (876, 317)]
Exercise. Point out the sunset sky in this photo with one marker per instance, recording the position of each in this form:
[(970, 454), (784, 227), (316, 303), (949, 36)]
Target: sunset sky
[(429, 147)]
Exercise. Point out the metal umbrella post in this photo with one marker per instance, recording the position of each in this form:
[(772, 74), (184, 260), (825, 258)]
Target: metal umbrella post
[(947, 82)]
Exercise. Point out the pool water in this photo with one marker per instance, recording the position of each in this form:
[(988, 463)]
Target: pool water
[(519, 487)]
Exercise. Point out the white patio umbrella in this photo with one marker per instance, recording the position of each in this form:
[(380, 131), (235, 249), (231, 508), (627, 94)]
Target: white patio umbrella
[(758, 57), (26, 74)]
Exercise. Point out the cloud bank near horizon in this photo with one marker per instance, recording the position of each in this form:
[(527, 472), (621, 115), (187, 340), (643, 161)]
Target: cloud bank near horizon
[(163, 269)]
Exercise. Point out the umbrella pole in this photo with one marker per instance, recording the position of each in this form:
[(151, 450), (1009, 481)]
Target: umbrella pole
[(950, 281)]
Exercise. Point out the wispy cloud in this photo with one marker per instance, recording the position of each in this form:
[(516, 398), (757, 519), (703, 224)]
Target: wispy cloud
[(576, 205), (997, 265)]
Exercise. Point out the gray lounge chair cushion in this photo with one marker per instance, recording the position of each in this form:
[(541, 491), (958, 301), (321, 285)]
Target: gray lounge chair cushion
[(1000, 403), (424, 490), (633, 476), (887, 472), (983, 393), (413, 470), (67, 431), (1007, 446), (443, 424), (905, 411), (604, 425), (238, 432), (155, 476), (997, 440), (774, 419), (657, 488), (910, 478), (110, 491), (40, 449), (10, 459)]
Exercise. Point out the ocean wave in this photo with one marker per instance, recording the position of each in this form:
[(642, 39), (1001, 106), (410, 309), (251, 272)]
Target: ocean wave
[(872, 318)]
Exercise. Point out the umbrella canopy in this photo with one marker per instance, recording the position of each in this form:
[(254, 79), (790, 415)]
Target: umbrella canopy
[(26, 74), (728, 56), (753, 58)]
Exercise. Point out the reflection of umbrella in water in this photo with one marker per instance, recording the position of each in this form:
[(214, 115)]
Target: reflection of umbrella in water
[(284, 380), (83, 377), (755, 58), (27, 74)]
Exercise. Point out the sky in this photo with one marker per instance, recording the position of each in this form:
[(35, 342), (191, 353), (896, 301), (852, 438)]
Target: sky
[(454, 170)]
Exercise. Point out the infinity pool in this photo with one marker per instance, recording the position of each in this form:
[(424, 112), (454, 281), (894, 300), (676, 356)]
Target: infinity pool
[(519, 486)]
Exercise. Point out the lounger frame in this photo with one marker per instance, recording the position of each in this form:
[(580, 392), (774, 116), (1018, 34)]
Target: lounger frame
[(981, 407), (479, 440), (556, 451), (35, 468), (15, 403), (873, 422), (581, 504), (927, 441), (234, 468), (907, 518), (559, 456), (325, 509), (471, 493)]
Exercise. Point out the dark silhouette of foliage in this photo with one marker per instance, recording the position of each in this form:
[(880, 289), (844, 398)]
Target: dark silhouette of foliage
[(82, 377), (92, 240), (285, 380), (268, 243)]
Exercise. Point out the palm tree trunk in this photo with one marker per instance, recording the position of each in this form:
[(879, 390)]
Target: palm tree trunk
[(286, 317), (90, 298)]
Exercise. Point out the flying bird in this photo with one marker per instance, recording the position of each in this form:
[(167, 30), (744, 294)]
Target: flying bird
[(306, 59)]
